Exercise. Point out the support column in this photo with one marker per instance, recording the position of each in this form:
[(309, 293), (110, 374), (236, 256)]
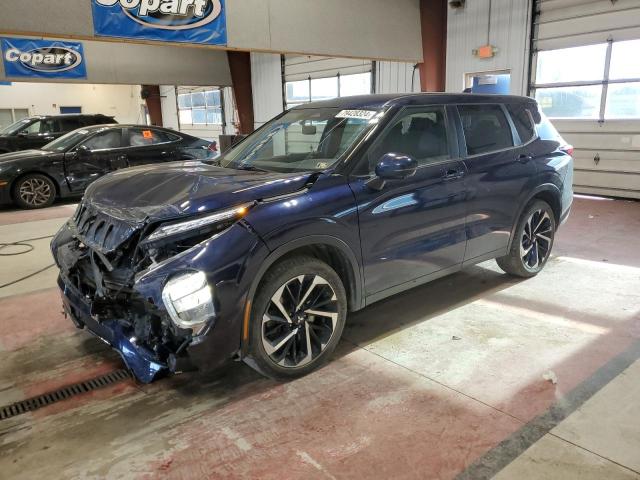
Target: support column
[(433, 15), (151, 95), (240, 66)]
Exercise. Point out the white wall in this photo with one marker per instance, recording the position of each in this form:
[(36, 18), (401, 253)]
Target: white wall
[(266, 83), (396, 77), (121, 101), (467, 30)]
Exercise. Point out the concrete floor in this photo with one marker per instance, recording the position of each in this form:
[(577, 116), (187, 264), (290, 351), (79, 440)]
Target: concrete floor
[(444, 381)]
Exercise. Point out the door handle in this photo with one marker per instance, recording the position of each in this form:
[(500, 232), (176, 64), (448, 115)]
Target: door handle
[(452, 173), (48, 138), (524, 158)]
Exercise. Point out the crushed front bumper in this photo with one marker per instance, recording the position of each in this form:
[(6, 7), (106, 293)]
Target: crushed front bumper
[(137, 358)]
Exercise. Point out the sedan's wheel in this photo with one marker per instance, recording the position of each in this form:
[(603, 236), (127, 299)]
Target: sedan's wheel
[(298, 318), (34, 191), (532, 243)]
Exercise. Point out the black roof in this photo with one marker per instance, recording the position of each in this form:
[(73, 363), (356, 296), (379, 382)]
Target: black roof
[(70, 115), (378, 101)]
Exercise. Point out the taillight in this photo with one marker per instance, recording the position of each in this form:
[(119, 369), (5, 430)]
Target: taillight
[(568, 149), (213, 146)]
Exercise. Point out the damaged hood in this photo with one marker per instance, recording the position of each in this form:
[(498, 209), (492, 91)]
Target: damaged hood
[(173, 190)]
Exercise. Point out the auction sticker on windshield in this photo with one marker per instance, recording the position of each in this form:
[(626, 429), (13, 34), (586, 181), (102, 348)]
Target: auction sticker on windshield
[(364, 114)]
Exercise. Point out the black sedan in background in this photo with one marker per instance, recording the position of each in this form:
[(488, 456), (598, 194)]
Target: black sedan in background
[(66, 166)]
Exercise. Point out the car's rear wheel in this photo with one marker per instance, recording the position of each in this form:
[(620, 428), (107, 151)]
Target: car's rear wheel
[(34, 191), (533, 241), (297, 318)]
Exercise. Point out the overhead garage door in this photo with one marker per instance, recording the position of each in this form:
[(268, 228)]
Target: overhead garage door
[(586, 76), (308, 78)]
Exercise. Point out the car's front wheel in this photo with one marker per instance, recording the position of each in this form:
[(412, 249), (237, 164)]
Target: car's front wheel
[(34, 191), (297, 318), (533, 241)]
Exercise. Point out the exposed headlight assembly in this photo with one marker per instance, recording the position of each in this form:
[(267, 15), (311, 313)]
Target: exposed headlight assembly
[(181, 227), (188, 300)]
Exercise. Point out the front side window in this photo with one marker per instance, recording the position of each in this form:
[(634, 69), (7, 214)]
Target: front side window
[(33, 128), (523, 121), (104, 140), (420, 134), (301, 140), (485, 128)]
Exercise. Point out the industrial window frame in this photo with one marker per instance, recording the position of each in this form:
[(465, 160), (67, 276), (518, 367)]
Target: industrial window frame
[(604, 82), (292, 103), (217, 109)]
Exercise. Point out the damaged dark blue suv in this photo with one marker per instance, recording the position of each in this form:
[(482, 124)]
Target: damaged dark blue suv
[(330, 207)]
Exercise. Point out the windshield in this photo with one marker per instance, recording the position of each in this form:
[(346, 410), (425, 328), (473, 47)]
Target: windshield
[(67, 141), (301, 140), (15, 127)]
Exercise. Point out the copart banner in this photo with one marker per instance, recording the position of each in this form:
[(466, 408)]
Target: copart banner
[(24, 57), (188, 21)]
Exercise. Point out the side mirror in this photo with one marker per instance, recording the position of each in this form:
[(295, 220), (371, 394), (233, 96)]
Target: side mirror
[(83, 151), (23, 133), (308, 129), (393, 166)]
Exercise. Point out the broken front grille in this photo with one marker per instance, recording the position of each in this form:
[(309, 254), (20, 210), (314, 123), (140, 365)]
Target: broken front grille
[(100, 231)]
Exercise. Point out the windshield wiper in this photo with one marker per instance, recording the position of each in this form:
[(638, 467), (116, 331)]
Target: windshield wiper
[(250, 168)]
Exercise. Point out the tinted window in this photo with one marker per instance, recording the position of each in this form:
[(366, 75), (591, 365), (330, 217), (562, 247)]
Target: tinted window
[(420, 134), (546, 131), (523, 121), (49, 125), (69, 124), (104, 140), (485, 128), (139, 137)]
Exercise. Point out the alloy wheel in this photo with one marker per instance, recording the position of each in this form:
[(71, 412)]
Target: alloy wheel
[(35, 192), (299, 321), (537, 237)]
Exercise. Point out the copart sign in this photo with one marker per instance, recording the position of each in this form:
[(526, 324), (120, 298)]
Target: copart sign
[(191, 21), (42, 58)]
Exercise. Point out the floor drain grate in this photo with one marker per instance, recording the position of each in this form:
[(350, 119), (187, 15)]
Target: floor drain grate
[(34, 403)]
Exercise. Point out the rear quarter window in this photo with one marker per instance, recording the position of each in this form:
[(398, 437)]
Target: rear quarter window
[(546, 130), (523, 120)]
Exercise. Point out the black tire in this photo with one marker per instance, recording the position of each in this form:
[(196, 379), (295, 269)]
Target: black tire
[(303, 329), (529, 253), (43, 191)]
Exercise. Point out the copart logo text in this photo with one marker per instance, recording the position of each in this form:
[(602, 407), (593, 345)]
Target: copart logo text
[(169, 14), (48, 60)]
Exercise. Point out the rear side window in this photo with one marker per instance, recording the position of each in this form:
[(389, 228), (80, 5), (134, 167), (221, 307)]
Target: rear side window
[(485, 128), (139, 137), (523, 121), (70, 124), (49, 125)]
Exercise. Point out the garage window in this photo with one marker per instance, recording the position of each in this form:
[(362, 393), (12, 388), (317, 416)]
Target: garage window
[(316, 89), (592, 82), (200, 107)]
